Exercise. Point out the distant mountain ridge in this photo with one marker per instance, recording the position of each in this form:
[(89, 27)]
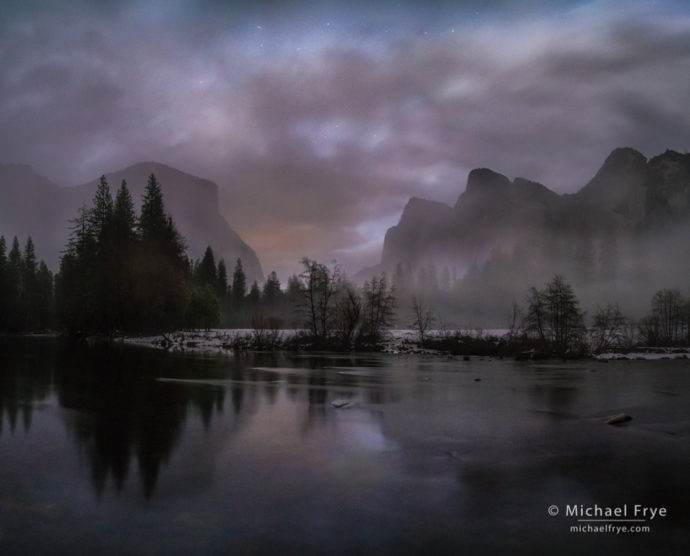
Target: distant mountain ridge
[(31, 204), (629, 194)]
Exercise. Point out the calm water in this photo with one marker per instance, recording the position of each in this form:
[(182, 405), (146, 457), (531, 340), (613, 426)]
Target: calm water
[(133, 451)]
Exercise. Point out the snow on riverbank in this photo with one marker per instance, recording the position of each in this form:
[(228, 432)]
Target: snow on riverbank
[(226, 341), (648, 354)]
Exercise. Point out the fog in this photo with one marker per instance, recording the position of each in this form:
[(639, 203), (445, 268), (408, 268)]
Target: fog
[(320, 123)]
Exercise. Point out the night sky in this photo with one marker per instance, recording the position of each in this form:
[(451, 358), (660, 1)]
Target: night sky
[(320, 120)]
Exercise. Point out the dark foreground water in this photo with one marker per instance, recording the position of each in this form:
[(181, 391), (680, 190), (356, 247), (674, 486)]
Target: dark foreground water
[(133, 451)]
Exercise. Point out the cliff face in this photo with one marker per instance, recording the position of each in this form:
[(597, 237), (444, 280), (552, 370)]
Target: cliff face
[(32, 205), (629, 194)]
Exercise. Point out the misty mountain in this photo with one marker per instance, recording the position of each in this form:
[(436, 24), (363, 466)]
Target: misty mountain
[(629, 194), (621, 237), (31, 204)]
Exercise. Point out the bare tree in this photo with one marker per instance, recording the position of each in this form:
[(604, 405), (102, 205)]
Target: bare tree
[(379, 307), (608, 330), (423, 318), (320, 287), (565, 318), (554, 315), (667, 309), (348, 312), (535, 320), (515, 317)]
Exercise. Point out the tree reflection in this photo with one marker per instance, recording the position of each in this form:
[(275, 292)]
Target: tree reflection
[(24, 380), (124, 413)]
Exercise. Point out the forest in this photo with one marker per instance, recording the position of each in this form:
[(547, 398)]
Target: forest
[(123, 273)]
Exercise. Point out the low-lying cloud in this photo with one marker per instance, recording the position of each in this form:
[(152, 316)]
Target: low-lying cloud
[(320, 124)]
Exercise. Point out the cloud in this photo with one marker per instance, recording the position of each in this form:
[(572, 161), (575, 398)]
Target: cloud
[(322, 123)]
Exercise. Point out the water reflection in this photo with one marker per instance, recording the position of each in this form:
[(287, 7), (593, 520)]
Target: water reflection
[(328, 454), (26, 370)]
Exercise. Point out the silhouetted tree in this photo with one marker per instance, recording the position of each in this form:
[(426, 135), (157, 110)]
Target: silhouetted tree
[(13, 275), (207, 273), (4, 308), (239, 288), (204, 307), (667, 315), (117, 273), (535, 319), (379, 307), (607, 328), (123, 249), (272, 293), (319, 284), (222, 281), (253, 299), (554, 316), (423, 318), (348, 313)]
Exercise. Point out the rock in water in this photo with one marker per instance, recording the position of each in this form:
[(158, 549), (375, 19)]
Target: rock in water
[(617, 419), (342, 404)]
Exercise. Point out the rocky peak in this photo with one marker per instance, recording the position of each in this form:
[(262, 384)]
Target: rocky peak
[(623, 158), (668, 188), (484, 179), (620, 186), (417, 208)]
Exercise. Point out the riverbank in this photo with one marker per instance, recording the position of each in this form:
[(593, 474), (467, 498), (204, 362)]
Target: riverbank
[(397, 342)]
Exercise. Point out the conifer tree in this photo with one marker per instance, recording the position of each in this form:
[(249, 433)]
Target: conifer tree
[(13, 277), (272, 295), (153, 221), (124, 217), (3, 285), (239, 287), (27, 298), (100, 216), (123, 248), (45, 299), (207, 270), (222, 281)]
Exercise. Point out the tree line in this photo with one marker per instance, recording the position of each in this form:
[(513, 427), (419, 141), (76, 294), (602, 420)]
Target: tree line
[(123, 272), (26, 290), (128, 273)]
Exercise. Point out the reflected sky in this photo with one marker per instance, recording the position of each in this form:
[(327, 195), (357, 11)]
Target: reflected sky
[(135, 451)]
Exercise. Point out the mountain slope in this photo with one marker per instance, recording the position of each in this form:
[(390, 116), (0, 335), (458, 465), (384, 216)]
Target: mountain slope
[(32, 205), (628, 194)]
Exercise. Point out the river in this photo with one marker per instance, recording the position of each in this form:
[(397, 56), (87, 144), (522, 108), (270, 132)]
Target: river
[(127, 450)]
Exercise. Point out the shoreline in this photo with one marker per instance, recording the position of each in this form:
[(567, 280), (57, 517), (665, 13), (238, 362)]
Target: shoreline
[(399, 342)]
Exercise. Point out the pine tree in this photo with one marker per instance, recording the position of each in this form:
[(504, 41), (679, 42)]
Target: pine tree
[(3, 285), (207, 270), (153, 221), (14, 287), (254, 298), (160, 267), (74, 288), (222, 281), (239, 288), (45, 300), (123, 248), (124, 217), (28, 287), (272, 293), (100, 216)]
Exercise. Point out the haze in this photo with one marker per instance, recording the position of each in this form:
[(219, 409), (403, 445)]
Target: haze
[(319, 123)]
